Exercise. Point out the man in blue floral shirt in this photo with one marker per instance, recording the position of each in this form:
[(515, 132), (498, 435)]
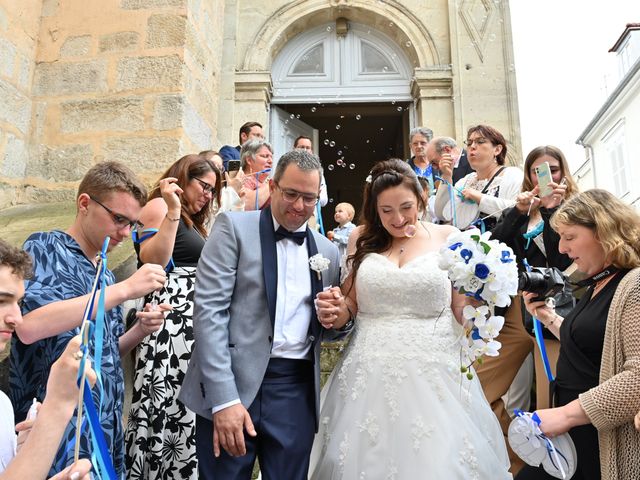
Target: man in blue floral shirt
[(109, 201)]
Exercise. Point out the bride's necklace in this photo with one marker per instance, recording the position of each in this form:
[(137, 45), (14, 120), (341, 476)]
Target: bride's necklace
[(410, 231)]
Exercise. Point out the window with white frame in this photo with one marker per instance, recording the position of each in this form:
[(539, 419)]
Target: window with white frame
[(616, 151), (363, 63)]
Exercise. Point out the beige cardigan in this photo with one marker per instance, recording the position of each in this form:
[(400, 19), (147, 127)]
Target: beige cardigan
[(612, 405)]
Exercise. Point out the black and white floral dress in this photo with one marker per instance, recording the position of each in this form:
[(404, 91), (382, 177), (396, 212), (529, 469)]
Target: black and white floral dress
[(160, 435)]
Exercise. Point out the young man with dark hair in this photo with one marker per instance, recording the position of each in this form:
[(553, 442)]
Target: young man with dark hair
[(110, 198)]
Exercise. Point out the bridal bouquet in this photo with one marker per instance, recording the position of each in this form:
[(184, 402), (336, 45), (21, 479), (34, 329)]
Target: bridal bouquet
[(486, 270)]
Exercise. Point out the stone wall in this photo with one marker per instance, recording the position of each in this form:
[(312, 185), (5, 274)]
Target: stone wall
[(19, 24), (127, 80)]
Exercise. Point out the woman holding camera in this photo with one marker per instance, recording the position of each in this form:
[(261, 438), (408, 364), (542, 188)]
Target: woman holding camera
[(526, 228), (597, 388)]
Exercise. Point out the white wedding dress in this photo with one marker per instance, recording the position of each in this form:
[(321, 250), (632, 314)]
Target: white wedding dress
[(396, 407)]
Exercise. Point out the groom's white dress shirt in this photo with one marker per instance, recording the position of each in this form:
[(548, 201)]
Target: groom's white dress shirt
[(293, 303)]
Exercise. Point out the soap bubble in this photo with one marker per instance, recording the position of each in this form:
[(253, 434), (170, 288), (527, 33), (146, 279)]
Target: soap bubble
[(410, 230), (326, 142), (332, 143), (352, 166), (292, 116), (313, 109), (330, 166), (399, 109), (338, 127), (339, 152), (358, 117), (339, 162)]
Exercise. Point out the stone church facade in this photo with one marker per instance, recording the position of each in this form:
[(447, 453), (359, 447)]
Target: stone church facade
[(146, 81)]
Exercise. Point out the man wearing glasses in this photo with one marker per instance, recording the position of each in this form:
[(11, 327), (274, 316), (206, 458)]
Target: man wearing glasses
[(254, 377), (109, 201)]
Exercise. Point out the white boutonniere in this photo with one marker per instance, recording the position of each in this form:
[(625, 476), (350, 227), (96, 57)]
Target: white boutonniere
[(319, 264)]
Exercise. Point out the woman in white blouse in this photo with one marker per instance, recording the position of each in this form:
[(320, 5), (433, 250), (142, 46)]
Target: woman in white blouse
[(485, 192)]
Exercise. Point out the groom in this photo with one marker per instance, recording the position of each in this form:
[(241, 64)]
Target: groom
[(255, 370)]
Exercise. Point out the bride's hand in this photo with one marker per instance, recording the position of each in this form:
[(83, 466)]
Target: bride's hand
[(329, 303)]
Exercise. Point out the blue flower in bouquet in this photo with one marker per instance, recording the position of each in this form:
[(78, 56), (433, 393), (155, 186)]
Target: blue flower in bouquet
[(485, 270)]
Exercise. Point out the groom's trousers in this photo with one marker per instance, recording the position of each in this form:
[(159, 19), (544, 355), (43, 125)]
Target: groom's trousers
[(283, 414), (496, 374)]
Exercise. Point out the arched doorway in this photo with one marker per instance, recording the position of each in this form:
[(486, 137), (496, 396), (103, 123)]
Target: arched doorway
[(347, 86)]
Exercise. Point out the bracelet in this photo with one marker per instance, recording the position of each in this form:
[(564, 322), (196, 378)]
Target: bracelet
[(172, 219), (553, 321)]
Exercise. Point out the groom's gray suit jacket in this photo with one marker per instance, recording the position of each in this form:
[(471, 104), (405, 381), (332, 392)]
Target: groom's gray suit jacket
[(234, 313)]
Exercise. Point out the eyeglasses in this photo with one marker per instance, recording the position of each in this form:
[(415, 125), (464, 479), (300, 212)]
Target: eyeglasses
[(206, 187), (292, 196), (477, 141), (120, 220)]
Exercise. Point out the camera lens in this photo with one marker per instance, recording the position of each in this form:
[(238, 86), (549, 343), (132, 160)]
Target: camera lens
[(534, 282)]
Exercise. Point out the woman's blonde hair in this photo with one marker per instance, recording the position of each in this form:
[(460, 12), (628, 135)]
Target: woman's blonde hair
[(615, 224)]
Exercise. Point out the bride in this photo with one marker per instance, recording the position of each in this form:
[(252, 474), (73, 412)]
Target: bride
[(396, 406)]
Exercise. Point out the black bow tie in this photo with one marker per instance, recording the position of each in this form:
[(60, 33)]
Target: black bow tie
[(297, 237)]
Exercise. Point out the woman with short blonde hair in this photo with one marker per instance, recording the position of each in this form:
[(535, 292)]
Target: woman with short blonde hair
[(597, 388)]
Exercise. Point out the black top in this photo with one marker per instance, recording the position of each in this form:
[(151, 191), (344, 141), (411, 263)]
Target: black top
[(186, 249), (513, 225), (510, 229), (582, 340), (188, 246)]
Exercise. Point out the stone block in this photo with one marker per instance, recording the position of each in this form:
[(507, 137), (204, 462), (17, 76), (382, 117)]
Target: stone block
[(167, 112), (119, 42), (40, 195), (15, 159), (24, 73), (149, 72), (142, 154), (76, 46), (7, 58), (196, 128), (120, 114), (61, 163), (7, 199), (166, 30), (4, 23), (138, 4), (60, 78), (50, 7), (15, 108)]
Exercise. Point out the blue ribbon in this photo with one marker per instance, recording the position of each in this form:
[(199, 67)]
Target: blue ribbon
[(537, 330), (100, 456), (533, 233), (319, 218), (547, 442), (258, 183), (148, 233)]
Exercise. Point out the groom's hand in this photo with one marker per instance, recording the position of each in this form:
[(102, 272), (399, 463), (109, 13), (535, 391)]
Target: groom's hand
[(228, 430)]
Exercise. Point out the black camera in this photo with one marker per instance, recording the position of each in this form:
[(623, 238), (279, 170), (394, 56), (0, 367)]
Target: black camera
[(546, 282)]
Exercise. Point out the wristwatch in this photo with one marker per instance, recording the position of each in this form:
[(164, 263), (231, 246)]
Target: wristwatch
[(347, 326)]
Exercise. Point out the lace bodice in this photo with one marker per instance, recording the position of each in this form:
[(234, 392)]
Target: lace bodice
[(418, 289), (407, 308)]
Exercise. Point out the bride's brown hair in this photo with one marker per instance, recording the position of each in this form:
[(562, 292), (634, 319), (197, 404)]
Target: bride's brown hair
[(373, 236)]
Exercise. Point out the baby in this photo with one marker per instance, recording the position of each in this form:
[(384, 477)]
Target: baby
[(340, 235)]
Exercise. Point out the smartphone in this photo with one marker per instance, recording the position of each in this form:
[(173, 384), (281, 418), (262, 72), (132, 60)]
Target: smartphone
[(232, 167), (543, 172)]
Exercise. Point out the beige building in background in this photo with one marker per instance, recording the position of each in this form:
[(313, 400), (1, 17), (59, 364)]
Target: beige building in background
[(146, 81)]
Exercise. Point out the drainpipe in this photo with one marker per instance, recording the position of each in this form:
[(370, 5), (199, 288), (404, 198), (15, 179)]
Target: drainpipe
[(590, 155)]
